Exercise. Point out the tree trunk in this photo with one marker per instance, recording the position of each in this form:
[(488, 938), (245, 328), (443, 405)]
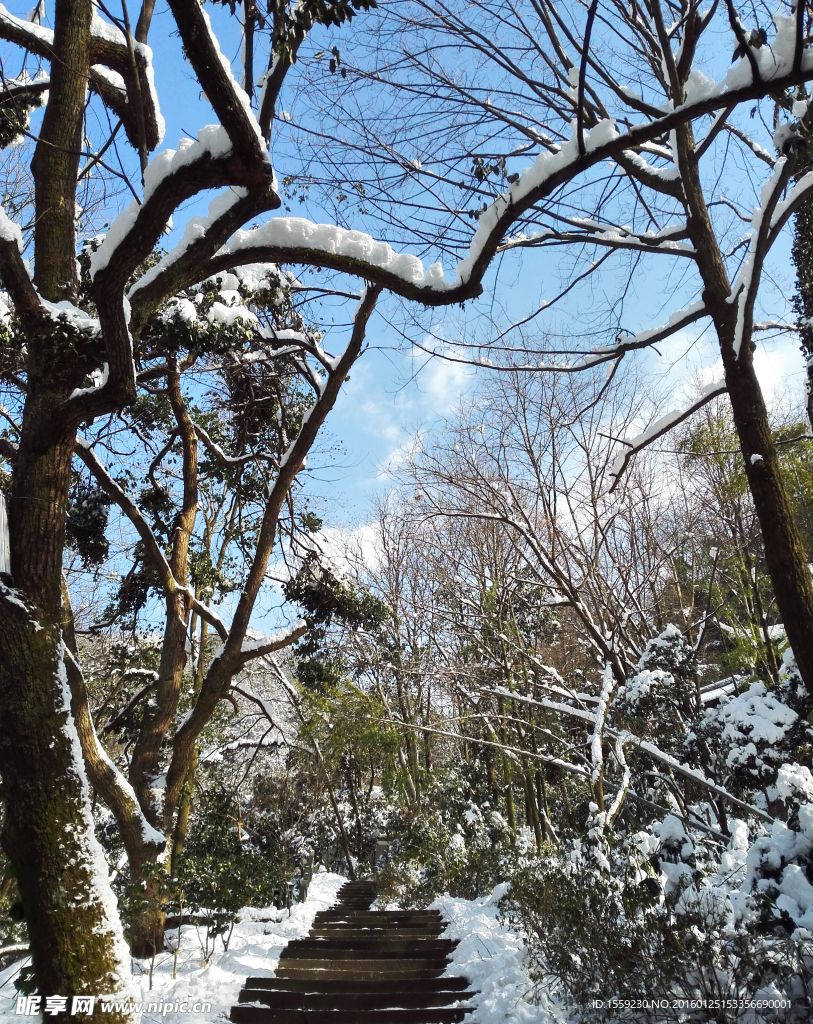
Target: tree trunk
[(784, 551), (77, 945), (147, 926), (185, 803)]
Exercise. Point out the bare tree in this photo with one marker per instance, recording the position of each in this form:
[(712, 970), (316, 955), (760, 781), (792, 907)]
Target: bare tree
[(531, 454), (631, 137), (77, 365)]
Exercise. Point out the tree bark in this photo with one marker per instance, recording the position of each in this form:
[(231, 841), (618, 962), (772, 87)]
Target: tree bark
[(803, 300)]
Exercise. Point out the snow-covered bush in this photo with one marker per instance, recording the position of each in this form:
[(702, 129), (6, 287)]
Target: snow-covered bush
[(777, 895), (645, 904), (662, 692), (663, 913), (751, 734), (455, 844)]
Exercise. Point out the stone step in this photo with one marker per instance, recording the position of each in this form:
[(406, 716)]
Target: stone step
[(385, 948), (352, 985), (393, 924), (343, 960), (384, 957), (351, 1001), (264, 1015), (347, 934), (396, 923), (360, 966), (360, 971), (381, 916)]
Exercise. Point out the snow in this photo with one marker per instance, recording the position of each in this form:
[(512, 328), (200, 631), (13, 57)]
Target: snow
[(697, 86), (775, 863), (298, 233), (799, 189), (238, 93), (661, 426), (255, 947), (638, 686), (112, 78), (774, 60), (44, 35), (148, 833), (793, 781), (754, 717), (743, 286), (212, 140), (116, 234), (544, 167), (679, 319), (665, 173), (596, 756), (180, 309), (492, 955), (9, 231), (196, 228), (228, 314), (102, 29), (76, 317), (99, 379), (292, 232)]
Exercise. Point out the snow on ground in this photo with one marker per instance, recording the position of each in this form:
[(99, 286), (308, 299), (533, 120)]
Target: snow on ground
[(254, 949), (492, 956)]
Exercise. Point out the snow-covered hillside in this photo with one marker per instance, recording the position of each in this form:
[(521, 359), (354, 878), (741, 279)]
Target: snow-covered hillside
[(490, 954)]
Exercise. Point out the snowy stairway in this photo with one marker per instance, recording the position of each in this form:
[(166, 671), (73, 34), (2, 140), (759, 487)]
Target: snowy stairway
[(360, 966)]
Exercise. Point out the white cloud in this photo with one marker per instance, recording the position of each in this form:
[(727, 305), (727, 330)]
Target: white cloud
[(689, 359), (345, 546), (441, 381)]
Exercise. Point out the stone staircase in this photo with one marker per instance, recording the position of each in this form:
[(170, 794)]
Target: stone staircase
[(360, 966)]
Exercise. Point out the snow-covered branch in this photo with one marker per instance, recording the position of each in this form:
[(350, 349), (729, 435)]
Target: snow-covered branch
[(103, 774), (745, 289), (269, 644), (609, 236), (660, 427), (291, 239), (111, 74), (230, 102), (629, 738)]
